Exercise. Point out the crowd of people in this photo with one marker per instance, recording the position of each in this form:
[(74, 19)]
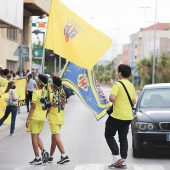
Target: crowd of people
[(49, 99)]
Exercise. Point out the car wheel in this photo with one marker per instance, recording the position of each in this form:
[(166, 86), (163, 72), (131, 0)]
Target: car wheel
[(136, 153)]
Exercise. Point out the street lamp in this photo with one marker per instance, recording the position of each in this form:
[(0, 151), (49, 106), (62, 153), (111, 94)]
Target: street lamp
[(43, 55), (22, 42), (143, 30), (154, 56), (55, 62)]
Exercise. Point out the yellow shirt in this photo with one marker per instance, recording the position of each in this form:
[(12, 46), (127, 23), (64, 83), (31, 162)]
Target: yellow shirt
[(54, 116), (121, 107), (3, 82), (39, 113)]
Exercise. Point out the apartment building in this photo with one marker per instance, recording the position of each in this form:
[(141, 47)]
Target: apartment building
[(142, 43), (16, 27)]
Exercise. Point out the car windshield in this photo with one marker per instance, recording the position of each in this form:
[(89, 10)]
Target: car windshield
[(158, 97)]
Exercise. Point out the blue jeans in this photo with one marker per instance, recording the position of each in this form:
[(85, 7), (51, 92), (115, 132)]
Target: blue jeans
[(13, 111), (122, 127)]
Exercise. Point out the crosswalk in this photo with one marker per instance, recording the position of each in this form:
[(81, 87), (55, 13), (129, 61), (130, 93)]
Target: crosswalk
[(91, 167)]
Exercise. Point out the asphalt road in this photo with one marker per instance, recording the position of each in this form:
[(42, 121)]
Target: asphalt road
[(84, 142)]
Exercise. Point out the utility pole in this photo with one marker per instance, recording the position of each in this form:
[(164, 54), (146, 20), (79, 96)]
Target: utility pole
[(143, 39)]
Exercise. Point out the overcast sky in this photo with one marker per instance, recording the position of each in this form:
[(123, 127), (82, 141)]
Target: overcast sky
[(118, 19)]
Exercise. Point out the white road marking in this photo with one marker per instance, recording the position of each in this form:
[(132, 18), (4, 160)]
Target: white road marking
[(148, 167), (30, 167), (89, 167)]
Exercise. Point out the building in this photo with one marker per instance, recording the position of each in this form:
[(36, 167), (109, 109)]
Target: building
[(142, 44), (16, 27)]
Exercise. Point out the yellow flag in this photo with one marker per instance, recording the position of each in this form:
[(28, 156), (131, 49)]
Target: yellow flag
[(72, 38)]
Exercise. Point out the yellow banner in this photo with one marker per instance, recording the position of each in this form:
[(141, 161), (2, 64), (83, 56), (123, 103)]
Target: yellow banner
[(74, 39), (3, 107)]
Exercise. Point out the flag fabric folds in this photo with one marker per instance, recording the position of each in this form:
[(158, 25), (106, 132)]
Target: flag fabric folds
[(82, 81), (74, 39)]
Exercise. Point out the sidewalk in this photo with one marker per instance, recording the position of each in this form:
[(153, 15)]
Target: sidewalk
[(20, 122)]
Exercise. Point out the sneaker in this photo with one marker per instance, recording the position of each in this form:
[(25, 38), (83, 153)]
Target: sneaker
[(12, 134), (36, 162), (121, 166), (45, 156), (63, 160), (50, 159), (118, 163)]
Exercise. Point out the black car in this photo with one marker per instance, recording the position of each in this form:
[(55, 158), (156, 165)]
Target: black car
[(151, 123), (69, 92)]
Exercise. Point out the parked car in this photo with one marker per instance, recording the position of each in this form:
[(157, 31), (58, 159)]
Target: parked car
[(151, 124), (69, 92)]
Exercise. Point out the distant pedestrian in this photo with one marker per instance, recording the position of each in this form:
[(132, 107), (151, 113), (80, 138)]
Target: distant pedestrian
[(30, 88), (11, 107), (120, 118), (36, 119), (3, 78), (56, 119)]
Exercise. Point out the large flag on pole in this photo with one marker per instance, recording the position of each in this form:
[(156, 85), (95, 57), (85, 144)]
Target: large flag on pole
[(74, 39), (82, 81)]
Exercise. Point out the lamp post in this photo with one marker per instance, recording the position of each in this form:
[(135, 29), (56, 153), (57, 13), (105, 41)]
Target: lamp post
[(143, 49), (43, 55), (22, 42), (154, 56), (117, 44), (55, 62)]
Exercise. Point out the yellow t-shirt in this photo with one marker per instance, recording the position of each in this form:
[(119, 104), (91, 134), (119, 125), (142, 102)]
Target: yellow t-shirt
[(54, 116), (39, 113), (121, 107), (3, 82)]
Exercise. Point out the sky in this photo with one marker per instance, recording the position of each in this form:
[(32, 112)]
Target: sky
[(118, 19)]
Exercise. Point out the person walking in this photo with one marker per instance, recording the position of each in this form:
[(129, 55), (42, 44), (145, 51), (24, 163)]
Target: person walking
[(30, 88), (120, 118), (3, 78), (11, 107), (58, 100), (36, 119)]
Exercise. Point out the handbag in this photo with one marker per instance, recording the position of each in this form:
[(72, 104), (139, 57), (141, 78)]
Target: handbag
[(110, 109), (10, 101)]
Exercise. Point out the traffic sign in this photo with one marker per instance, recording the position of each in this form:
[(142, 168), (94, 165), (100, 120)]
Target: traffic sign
[(37, 53), (22, 50)]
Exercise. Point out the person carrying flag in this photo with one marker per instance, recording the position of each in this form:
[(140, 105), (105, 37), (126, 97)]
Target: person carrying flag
[(58, 100)]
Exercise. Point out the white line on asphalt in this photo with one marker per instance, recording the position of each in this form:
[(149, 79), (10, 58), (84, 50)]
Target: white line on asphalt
[(89, 167), (30, 167), (148, 167)]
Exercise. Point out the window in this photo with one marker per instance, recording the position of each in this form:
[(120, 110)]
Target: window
[(12, 34)]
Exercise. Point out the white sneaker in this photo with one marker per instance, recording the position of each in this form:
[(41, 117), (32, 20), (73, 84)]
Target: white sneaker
[(117, 161), (12, 134)]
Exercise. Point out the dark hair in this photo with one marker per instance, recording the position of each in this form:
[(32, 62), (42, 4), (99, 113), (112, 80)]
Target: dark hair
[(29, 77), (17, 73), (125, 70), (43, 78), (57, 81), (5, 72), (8, 76), (9, 86)]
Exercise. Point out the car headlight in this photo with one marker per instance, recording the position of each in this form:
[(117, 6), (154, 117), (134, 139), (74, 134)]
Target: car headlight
[(142, 126)]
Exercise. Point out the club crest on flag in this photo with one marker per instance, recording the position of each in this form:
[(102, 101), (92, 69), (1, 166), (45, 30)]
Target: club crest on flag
[(70, 31), (83, 82)]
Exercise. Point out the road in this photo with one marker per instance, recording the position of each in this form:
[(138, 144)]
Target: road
[(84, 142)]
